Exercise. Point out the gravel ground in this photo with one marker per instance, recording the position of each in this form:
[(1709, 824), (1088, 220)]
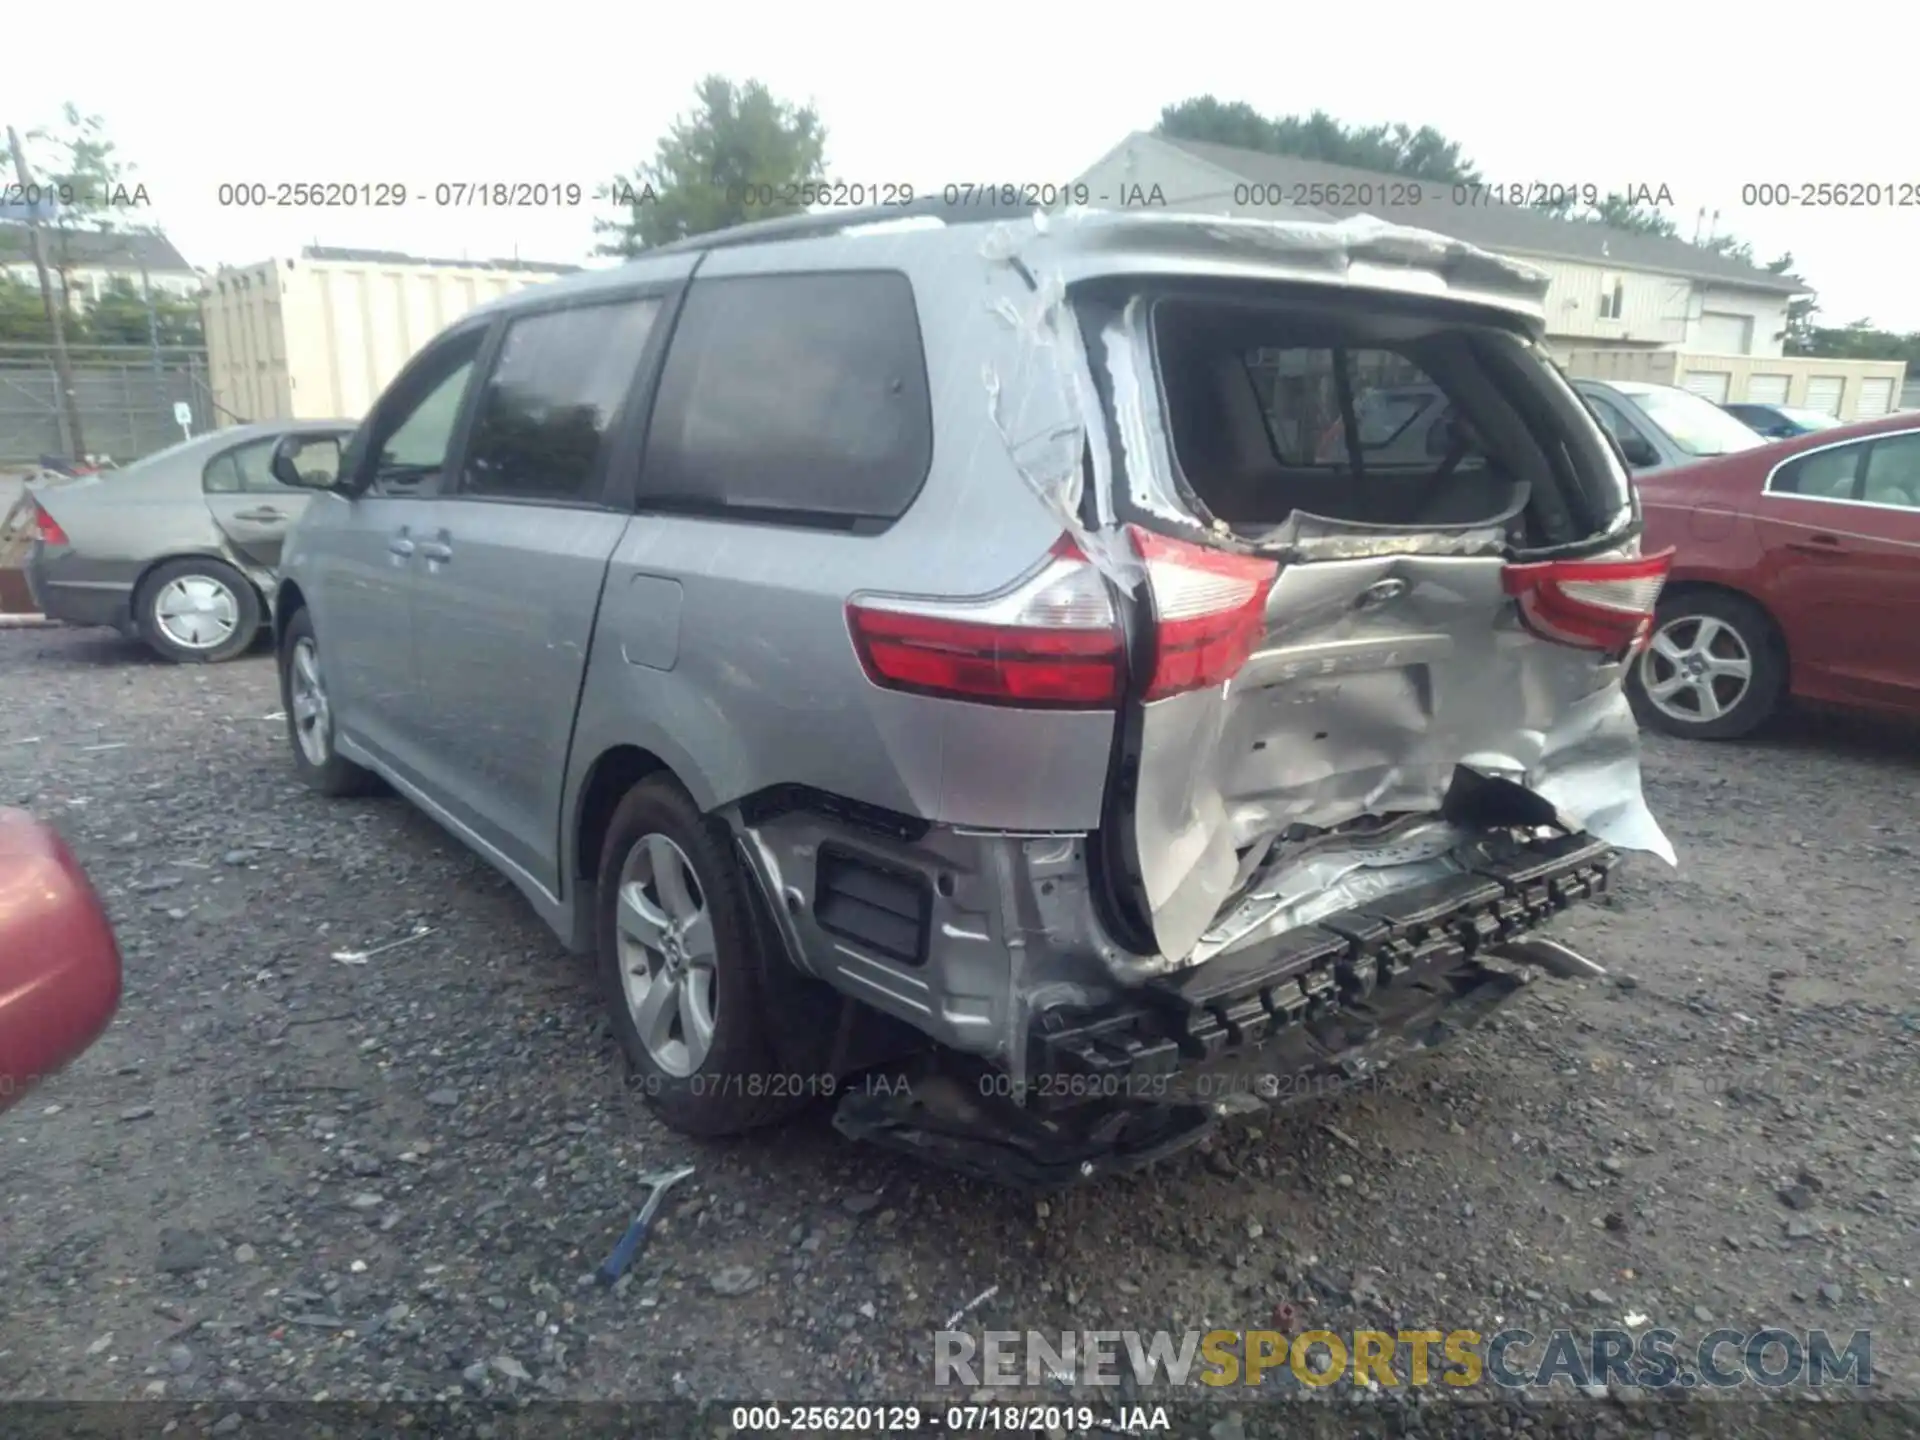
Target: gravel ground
[(283, 1175)]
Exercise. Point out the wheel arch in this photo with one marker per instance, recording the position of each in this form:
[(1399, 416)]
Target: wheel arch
[(614, 772), (288, 600), (137, 594)]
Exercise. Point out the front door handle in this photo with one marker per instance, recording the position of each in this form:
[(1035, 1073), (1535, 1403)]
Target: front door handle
[(264, 513), (400, 545), (436, 550)]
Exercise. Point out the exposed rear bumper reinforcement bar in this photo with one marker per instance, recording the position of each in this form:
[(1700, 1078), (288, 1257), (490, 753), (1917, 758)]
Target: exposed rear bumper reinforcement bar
[(1334, 1001), (1345, 961)]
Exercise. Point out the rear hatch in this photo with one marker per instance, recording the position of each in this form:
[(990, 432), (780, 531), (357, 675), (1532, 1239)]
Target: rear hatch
[(1393, 572)]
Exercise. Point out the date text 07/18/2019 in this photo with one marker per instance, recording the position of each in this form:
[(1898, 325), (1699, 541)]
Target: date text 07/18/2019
[(781, 197)]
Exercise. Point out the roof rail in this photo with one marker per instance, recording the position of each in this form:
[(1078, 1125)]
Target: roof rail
[(814, 225)]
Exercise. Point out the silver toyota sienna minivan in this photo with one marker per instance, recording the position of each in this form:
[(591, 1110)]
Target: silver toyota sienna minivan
[(946, 638)]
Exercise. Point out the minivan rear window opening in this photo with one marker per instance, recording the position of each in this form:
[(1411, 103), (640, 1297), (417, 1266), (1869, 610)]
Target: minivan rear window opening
[(1413, 418)]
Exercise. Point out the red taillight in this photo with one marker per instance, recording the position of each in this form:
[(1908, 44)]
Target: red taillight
[(1595, 604), (1209, 607), (47, 527), (1051, 642)]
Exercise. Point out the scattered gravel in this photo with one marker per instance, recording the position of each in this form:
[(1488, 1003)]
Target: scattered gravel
[(387, 1180)]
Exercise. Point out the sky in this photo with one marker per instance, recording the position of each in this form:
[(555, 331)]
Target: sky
[(1686, 97)]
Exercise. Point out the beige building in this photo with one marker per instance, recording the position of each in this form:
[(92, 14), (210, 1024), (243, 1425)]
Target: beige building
[(319, 336), (1648, 306)]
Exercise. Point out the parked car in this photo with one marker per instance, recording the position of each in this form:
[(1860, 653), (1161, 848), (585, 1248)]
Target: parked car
[(59, 964), (178, 549), (1655, 426), (798, 638), (1779, 422), (1796, 573)]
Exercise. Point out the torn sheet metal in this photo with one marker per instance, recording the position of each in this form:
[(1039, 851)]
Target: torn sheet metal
[(1042, 413), (1310, 882), (1388, 663), (1376, 678), (1390, 659), (1318, 537), (1010, 929), (1154, 484), (1049, 416)]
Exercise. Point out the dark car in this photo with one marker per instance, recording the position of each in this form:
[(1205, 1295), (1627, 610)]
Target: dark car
[(1780, 422), (1797, 573)]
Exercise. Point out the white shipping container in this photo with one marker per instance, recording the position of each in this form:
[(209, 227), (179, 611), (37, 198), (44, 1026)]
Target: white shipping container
[(319, 337)]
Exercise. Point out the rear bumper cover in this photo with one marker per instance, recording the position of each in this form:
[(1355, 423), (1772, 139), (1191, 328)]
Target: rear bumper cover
[(1273, 993), (68, 587)]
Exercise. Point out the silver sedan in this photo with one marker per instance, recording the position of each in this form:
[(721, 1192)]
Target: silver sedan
[(180, 548)]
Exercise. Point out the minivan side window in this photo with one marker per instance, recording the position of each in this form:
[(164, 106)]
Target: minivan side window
[(411, 440), (801, 398), (553, 393)]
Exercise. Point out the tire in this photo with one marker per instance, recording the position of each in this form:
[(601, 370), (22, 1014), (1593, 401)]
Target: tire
[(1714, 629), (319, 766), (197, 610), (734, 1082)]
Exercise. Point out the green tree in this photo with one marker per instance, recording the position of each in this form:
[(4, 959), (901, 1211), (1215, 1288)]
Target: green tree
[(23, 319), (97, 190), (1392, 149), (120, 317), (1798, 336), (1862, 341), (1615, 211), (719, 165)]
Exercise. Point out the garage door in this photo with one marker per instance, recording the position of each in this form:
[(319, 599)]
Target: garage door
[(1823, 393), (1767, 389), (1711, 384), (1876, 398), (1725, 334)]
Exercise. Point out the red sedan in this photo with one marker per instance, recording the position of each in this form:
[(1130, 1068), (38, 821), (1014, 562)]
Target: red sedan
[(1796, 573)]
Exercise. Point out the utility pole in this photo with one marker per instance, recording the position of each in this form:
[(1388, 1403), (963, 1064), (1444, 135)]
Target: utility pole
[(62, 366), (153, 321)]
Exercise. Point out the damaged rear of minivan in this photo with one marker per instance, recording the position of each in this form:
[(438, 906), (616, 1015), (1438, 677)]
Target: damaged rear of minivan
[(1364, 652)]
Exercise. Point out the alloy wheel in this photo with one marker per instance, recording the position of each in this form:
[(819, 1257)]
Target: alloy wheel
[(667, 954), (307, 699), (1698, 669)]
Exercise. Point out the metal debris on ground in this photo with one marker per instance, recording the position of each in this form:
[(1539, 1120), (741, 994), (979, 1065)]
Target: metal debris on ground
[(616, 1264), (974, 1304), (360, 957)]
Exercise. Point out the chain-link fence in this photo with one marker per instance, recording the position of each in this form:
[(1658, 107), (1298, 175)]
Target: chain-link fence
[(125, 395)]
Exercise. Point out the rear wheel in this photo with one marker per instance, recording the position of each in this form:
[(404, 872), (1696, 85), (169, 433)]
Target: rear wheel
[(682, 969), (1714, 670), (197, 608)]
